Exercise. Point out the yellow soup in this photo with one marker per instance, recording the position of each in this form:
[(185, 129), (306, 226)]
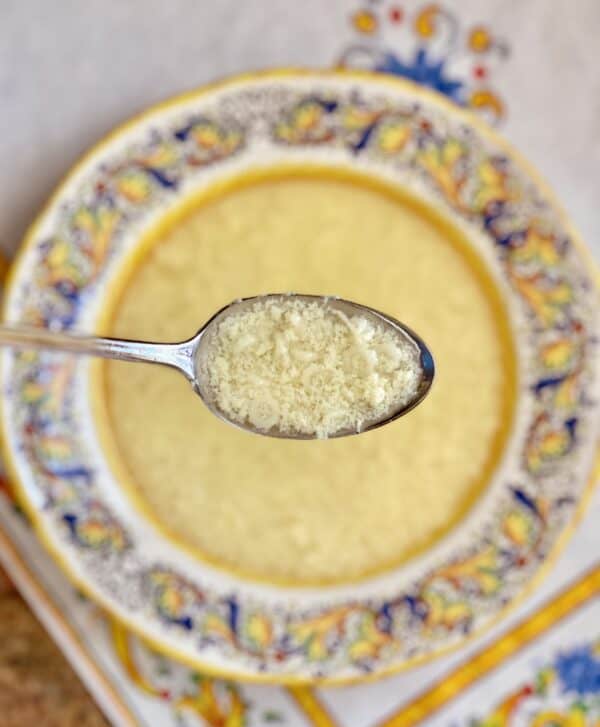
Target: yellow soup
[(320, 511)]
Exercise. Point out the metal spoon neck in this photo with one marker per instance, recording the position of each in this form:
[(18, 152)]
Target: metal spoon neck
[(175, 355)]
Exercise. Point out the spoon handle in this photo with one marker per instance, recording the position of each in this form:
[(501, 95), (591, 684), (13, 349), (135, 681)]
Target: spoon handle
[(176, 355)]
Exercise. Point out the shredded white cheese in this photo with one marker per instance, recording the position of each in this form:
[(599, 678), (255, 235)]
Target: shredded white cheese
[(295, 366)]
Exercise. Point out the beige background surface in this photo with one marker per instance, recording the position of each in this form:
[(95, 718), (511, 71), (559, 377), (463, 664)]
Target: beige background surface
[(71, 70)]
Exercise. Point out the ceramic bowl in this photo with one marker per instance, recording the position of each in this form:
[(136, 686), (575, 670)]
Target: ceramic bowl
[(399, 135)]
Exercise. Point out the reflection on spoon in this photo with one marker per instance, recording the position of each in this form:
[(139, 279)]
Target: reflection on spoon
[(282, 365)]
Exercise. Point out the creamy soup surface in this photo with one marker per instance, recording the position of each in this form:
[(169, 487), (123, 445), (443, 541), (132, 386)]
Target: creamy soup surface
[(319, 511)]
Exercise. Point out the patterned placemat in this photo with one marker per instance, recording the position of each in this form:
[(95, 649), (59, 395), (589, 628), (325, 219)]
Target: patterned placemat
[(552, 646)]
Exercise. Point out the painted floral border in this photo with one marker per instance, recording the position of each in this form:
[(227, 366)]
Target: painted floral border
[(564, 692), (482, 185)]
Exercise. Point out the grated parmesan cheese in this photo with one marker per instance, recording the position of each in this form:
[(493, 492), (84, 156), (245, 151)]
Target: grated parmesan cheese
[(304, 367)]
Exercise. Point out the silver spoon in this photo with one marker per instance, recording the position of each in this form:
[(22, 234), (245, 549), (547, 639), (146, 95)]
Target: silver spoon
[(186, 356)]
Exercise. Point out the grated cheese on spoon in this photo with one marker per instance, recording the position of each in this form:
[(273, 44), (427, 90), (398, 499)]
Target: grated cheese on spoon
[(303, 367)]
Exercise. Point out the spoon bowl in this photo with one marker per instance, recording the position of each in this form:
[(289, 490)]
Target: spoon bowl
[(201, 342)]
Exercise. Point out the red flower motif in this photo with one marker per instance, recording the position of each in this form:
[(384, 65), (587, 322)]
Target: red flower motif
[(396, 14)]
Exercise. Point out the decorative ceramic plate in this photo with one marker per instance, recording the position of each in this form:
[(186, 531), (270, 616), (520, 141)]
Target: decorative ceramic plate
[(400, 135)]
